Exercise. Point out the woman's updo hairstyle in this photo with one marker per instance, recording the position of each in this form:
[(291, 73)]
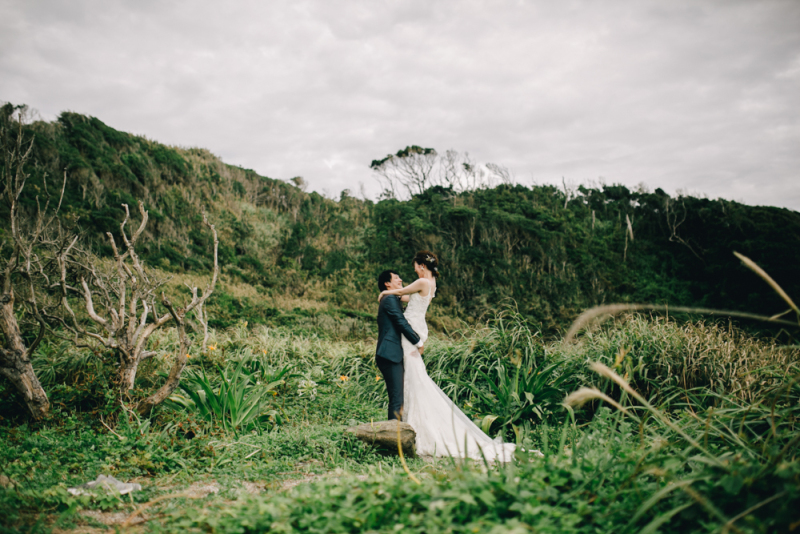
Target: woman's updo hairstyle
[(429, 260)]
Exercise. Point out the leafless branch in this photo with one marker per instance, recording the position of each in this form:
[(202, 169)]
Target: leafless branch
[(673, 224), (23, 272), (122, 307)]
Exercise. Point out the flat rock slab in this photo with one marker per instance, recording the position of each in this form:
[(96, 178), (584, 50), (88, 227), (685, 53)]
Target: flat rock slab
[(383, 435), (107, 483)]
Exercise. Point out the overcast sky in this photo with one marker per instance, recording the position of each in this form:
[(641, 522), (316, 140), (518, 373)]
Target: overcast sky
[(699, 96)]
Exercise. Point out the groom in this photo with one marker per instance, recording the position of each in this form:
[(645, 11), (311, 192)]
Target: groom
[(389, 355)]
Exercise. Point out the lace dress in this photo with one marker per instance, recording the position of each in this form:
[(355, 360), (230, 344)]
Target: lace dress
[(442, 428)]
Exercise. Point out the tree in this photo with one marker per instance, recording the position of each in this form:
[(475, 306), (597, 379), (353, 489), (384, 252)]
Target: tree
[(119, 303), (415, 169), (412, 168), (28, 245)]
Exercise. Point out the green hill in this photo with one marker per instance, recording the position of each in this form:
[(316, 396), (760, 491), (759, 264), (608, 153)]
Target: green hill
[(296, 258), (702, 434)]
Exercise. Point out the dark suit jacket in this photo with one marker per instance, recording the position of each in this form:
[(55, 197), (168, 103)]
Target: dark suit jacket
[(391, 324)]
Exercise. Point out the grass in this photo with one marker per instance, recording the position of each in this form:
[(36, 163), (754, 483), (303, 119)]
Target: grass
[(709, 451), (660, 353)]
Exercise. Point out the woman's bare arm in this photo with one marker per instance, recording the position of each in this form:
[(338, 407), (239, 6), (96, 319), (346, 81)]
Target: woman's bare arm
[(418, 286)]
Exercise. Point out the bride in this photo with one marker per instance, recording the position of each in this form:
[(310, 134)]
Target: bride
[(442, 428)]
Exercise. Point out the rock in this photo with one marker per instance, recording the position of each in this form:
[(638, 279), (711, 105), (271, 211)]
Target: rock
[(108, 483), (383, 435), (5, 482)]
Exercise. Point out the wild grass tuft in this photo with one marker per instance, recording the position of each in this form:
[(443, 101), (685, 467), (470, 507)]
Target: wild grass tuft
[(658, 353)]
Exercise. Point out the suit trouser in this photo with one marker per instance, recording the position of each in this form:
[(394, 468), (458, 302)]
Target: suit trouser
[(393, 376)]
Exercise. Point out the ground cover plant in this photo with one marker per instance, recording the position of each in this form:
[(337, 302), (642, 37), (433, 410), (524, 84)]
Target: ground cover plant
[(689, 459)]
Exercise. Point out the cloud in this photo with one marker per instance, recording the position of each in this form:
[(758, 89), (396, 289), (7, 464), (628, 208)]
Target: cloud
[(679, 95)]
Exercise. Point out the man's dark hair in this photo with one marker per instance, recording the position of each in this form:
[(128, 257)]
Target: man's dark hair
[(384, 278)]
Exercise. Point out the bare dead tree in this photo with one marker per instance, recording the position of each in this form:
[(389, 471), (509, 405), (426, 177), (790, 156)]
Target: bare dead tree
[(119, 305), (459, 171), (673, 224), (452, 167), (502, 173), (412, 168), (31, 241)]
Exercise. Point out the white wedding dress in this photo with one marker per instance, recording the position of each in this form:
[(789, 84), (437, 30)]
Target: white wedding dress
[(442, 429)]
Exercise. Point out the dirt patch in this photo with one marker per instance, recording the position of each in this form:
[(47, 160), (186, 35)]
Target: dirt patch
[(200, 489), (254, 488), (289, 484), (111, 518), (197, 490), (81, 530)]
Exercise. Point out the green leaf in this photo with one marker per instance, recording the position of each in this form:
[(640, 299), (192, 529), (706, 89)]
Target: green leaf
[(653, 525), (467, 498), (657, 496), (732, 483), (487, 497), (486, 423)]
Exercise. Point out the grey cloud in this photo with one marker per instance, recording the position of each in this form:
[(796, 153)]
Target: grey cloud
[(678, 95)]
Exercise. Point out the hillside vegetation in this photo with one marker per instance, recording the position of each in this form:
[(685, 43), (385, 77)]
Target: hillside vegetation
[(288, 255)]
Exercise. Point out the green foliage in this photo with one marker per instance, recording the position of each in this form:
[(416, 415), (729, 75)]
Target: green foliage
[(604, 479), (553, 252), (519, 395), (406, 152), (237, 401), (170, 160), (508, 339)]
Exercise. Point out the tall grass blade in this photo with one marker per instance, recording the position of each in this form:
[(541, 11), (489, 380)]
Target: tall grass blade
[(608, 373), (656, 497), (750, 264), (656, 523)]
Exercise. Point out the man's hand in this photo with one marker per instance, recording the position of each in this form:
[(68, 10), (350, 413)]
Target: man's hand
[(421, 350)]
